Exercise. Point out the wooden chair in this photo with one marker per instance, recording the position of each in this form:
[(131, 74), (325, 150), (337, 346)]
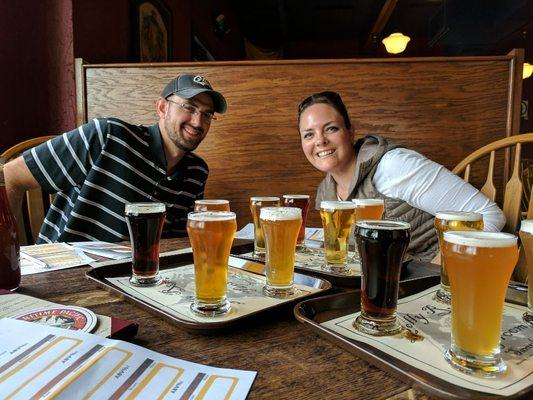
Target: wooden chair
[(514, 188), (36, 203)]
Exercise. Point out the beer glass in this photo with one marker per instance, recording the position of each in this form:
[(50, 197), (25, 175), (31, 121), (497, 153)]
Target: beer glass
[(453, 221), (256, 203), (337, 220), (479, 266), (211, 205), (367, 209), (382, 246), (302, 202), (211, 235), (145, 224), (526, 236), (280, 227)]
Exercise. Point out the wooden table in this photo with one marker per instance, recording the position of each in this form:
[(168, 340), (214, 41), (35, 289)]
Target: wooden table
[(291, 361)]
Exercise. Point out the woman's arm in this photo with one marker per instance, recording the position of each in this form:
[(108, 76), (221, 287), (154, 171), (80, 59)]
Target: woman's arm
[(407, 175)]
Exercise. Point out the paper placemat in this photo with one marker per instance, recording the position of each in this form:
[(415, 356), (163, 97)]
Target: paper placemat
[(431, 322), (176, 293)]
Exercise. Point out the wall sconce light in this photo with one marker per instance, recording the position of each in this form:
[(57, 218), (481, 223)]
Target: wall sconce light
[(527, 71), (395, 43)]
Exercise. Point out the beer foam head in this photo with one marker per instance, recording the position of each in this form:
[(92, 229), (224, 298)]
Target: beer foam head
[(264, 198), (382, 224), (280, 213), (527, 226), (296, 196), (337, 205), (210, 216), (144, 208), (368, 202), (480, 239), (211, 201), (459, 216)]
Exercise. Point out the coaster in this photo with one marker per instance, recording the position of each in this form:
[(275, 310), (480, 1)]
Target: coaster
[(66, 317)]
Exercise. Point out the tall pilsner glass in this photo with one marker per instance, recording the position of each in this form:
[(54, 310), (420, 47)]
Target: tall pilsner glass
[(211, 234), (479, 266), (256, 203), (337, 220), (301, 201), (526, 236), (367, 209), (280, 227), (453, 221)]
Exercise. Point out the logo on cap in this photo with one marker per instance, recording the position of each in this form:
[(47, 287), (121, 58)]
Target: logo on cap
[(201, 81)]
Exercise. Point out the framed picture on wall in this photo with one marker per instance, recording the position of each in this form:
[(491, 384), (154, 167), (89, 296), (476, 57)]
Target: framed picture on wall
[(152, 30)]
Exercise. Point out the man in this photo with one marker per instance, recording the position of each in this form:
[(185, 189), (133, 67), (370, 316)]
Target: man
[(99, 167)]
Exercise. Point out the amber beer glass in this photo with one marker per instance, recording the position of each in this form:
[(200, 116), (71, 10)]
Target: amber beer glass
[(211, 205), (453, 221), (211, 235), (337, 220), (301, 201), (145, 224), (280, 227), (368, 209), (382, 246), (256, 203), (479, 266), (526, 236)]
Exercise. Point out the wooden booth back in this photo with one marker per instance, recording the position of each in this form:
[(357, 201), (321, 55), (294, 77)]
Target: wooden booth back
[(444, 108)]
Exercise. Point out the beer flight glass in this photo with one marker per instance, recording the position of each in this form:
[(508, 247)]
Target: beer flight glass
[(281, 226), (367, 209), (479, 266), (301, 201), (337, 220), (256, 203), (211, 235), (382, 246), (211, 205), (526, 237), (453, 221), (145, 224)]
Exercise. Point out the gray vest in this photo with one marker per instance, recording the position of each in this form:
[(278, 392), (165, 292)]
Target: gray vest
[(424, 243)]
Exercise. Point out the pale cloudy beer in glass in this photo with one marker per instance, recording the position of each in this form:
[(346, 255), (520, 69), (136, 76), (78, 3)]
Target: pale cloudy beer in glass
[(145, 223), (382, 246), (211, 205), (256, 203), (301, 201), (526, 236), (453, 221), (337, 220), (211, 235), (479, 266), (280, 227)]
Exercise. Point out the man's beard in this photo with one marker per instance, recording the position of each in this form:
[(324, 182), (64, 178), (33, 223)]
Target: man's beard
[(179, 141)]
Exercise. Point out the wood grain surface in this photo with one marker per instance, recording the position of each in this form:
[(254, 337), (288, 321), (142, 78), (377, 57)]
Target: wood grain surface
[(444, 108), (291, 361)]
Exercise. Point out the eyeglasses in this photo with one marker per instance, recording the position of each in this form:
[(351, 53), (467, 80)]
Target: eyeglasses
[(192, 109)]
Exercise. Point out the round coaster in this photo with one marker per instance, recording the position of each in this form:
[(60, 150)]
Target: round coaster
[(67, 317)]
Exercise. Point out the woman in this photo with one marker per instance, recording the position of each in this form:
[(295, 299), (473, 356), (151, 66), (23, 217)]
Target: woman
[(414, 188)]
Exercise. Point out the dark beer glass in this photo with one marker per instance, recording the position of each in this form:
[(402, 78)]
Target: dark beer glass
[(145, 224), (382, 246)]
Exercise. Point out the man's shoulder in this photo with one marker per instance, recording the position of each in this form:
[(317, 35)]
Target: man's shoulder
[(194, 160), (118, 126)]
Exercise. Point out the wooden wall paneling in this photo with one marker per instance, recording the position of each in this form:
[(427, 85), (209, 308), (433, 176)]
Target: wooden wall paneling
[(442, 107)]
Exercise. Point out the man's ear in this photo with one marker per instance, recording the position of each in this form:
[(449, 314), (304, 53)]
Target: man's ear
[(161, 107)]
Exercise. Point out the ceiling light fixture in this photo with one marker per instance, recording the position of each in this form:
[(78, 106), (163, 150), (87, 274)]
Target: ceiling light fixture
[(527, 71), (396, 42)]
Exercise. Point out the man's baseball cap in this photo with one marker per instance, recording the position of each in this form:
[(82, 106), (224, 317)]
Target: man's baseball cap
[(187, 86)]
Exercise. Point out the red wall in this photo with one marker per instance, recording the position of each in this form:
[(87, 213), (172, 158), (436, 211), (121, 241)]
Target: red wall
[(36, 69)]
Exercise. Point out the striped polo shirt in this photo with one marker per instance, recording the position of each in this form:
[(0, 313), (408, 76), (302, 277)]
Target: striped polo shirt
[(100, 167)]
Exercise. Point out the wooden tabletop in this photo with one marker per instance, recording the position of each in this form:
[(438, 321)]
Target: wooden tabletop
[(291, 361)]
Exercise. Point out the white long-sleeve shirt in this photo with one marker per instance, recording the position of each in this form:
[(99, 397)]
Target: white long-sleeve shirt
[(407, 175)]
